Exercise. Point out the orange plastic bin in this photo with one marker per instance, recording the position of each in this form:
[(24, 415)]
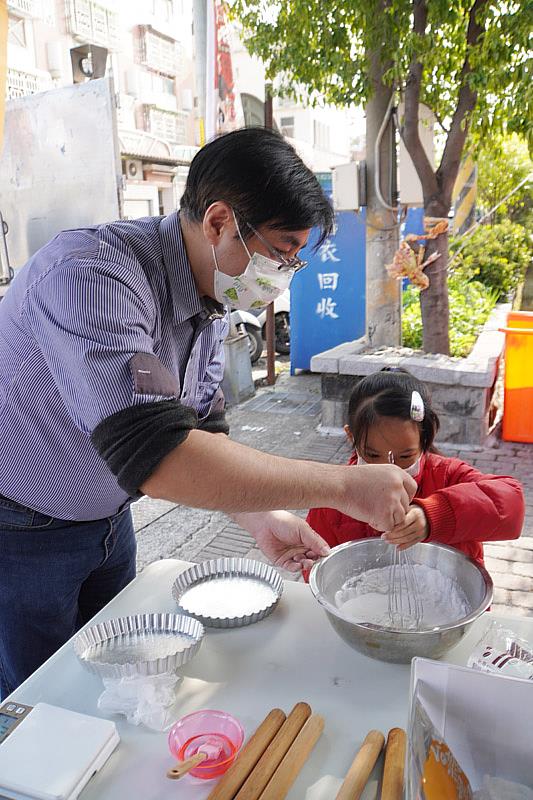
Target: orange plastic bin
[(518, 381)]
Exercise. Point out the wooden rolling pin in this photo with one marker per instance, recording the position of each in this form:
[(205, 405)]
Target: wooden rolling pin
[(392, 785), (273, 755), (233, 779), (362, 765), (295, 758)]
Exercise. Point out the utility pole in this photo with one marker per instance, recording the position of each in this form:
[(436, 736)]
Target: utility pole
[(269, 324), (3, 65), (383, 293), (200, 46)]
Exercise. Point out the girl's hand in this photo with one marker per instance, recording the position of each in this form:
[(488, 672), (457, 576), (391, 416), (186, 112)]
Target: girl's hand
[(414, 529)]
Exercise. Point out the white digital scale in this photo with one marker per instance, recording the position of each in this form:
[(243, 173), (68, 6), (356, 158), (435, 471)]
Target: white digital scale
[(50, 753)]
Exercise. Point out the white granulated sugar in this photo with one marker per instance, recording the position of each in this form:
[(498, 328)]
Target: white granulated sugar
[(228, 596), (365, 597)]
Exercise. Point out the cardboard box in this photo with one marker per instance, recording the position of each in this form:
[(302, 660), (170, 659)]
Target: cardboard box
[(486, 721)]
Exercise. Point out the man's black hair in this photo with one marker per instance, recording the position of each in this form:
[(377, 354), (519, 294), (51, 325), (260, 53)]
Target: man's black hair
[(260, 175), (388, 393)]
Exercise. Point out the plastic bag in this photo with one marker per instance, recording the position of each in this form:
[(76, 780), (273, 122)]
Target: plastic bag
[(502, 652), (142, 699), (499, 789), (435, 773)]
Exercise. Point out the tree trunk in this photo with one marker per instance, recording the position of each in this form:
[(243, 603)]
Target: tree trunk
[(434, 299), (383, 309)]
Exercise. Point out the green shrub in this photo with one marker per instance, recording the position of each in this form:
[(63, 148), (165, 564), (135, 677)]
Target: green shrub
[(503, 162), (495, 255), (470, 305)]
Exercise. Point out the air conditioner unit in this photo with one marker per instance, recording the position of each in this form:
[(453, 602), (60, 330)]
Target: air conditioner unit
[(133, 167)]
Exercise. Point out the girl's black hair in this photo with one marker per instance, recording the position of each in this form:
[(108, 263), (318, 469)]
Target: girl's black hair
[(388, 394)]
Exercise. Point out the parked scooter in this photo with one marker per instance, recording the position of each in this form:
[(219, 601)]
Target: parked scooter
[(248, 325), (252, 324)]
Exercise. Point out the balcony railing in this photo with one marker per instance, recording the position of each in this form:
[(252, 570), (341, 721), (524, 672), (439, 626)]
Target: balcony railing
[(159, 53), (21, 83), (168, 125), (25, 8), (92, 22)]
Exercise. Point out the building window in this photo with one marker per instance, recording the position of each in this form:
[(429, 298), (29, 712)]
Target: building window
[(162, 84), (163, 9), (320, 135), (287, 126), (16, 32)]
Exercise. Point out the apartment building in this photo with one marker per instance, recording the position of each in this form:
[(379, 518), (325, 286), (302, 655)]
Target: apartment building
[(321, 135), (147, 47)]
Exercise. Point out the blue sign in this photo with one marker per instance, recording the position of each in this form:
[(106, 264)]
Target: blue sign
[(328, 297), (414, 222)]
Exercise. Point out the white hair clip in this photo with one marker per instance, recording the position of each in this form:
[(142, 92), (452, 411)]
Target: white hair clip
[(417, 407)]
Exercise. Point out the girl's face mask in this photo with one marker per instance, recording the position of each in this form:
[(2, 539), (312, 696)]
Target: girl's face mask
[(261, 282), (413, 470)]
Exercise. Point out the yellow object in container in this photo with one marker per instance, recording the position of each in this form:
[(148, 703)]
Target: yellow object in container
[(443, 777)]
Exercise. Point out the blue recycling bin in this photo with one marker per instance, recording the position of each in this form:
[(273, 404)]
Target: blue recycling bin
[(328, 297)]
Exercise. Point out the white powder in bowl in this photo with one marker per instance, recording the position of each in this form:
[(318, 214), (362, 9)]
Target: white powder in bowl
[(365, 597)]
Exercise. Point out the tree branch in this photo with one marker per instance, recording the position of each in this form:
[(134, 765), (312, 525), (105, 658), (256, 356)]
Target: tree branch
[(410, 133), (466, 101), (440, 122)]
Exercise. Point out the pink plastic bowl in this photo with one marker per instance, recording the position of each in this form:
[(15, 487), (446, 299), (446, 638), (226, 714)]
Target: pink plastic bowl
[(217, 730)]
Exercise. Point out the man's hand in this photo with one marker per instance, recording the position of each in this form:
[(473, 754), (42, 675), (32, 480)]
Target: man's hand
[(378, 494), (414, 529), (288, 541)]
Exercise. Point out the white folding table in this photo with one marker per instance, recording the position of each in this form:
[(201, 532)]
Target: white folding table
[(292, 655)]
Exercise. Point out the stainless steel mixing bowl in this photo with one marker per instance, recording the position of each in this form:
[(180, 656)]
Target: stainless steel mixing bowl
[(387, 644)]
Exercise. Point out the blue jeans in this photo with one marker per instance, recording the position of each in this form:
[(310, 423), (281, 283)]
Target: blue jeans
[(54, 576)]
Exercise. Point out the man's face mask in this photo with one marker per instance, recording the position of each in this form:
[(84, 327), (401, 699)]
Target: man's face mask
[(262, 281)]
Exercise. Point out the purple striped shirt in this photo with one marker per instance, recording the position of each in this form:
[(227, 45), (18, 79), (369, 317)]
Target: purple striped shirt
[(74, 316)]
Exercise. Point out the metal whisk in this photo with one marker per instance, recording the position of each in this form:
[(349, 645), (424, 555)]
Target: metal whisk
[(405, 606)]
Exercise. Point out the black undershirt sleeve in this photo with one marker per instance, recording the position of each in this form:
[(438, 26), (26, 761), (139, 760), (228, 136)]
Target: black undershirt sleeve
[(133, 441), (215, 423)]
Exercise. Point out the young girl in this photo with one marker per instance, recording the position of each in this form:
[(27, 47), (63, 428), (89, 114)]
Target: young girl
[(391, 420)]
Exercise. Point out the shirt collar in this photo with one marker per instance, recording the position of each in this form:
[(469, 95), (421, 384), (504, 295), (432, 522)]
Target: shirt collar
[(186, 302)]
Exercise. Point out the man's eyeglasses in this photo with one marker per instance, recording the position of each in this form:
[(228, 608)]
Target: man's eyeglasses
[(295, 263)]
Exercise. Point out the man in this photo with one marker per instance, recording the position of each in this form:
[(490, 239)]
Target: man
[(111, 355)]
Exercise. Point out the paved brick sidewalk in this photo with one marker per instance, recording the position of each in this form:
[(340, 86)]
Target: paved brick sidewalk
[(284, 421)]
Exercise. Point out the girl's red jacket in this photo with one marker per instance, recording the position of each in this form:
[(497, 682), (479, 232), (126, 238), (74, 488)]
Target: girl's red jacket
[(463, 507)]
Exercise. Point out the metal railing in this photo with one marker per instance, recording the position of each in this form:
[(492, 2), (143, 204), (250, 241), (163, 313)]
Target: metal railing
[(26, 8), (93, 23), (20, 84)]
